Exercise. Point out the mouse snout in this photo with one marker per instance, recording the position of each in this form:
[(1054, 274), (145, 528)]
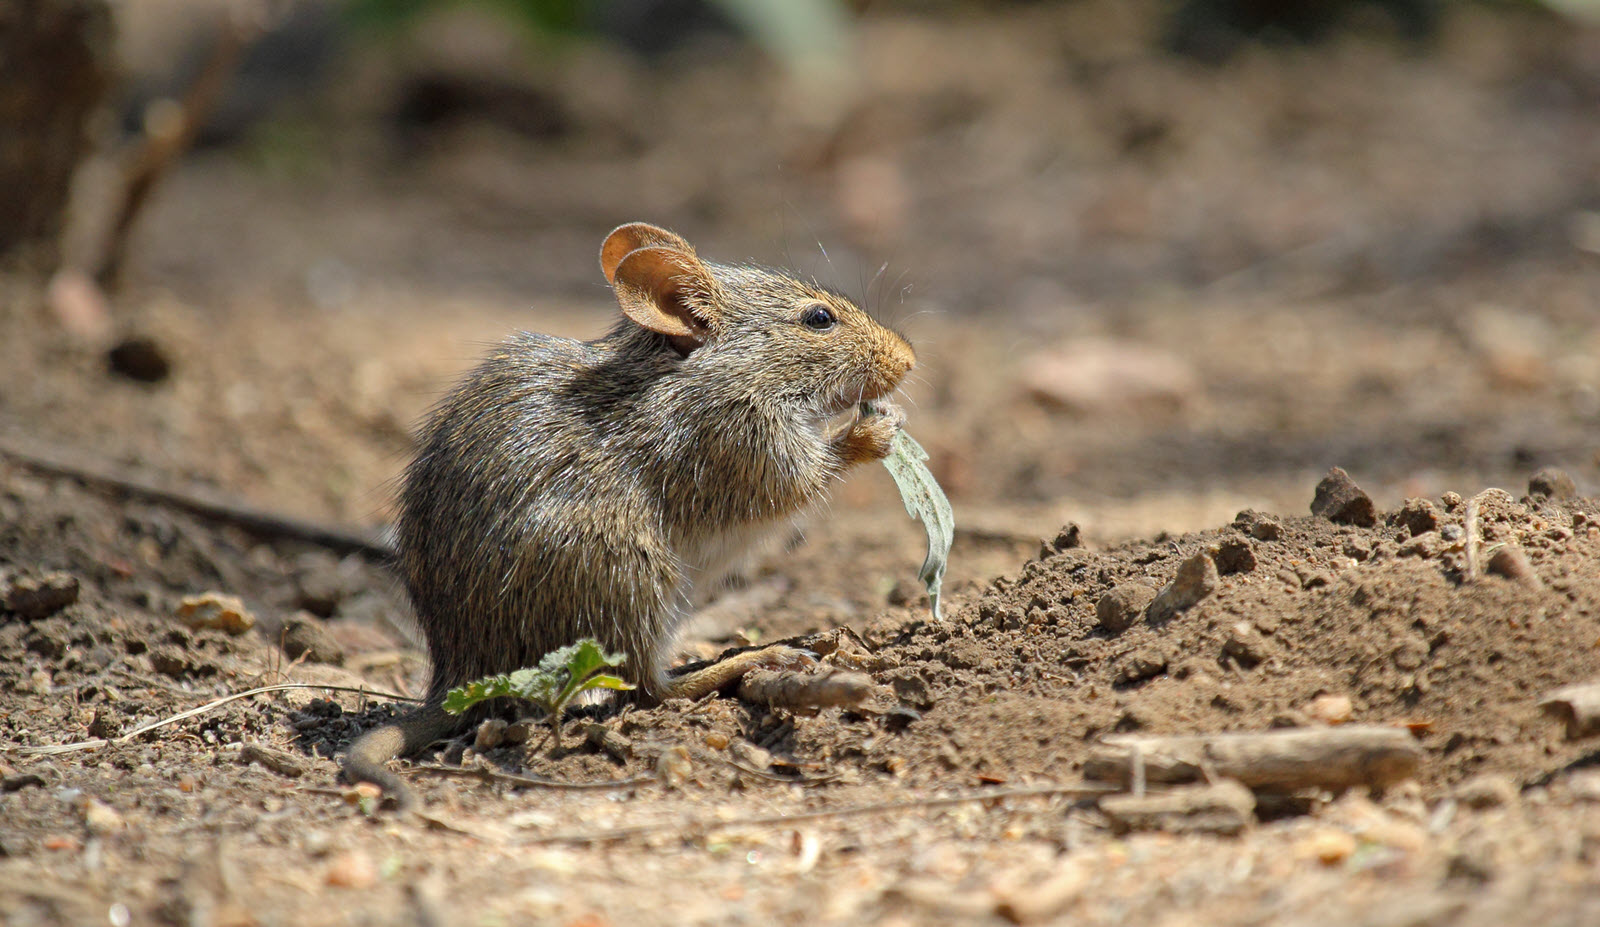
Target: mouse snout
[(898, 358)]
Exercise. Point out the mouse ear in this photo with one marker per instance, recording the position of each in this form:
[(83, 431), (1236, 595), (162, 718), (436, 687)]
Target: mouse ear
[(665, 290), (633, 236)]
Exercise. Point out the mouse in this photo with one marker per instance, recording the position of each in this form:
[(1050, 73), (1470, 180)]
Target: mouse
[(567, 489)]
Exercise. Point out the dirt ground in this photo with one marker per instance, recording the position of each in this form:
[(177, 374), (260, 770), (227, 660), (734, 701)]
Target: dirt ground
[(1147, 295)]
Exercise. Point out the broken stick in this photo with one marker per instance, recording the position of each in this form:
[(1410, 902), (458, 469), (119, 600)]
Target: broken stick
[(1330, 758)]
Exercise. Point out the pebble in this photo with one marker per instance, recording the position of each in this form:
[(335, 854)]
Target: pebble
[(1246, 645), (1513, 564), (1257, 525), (1142, 664), (101, 819), (352, 869), (1418, 516), (1197, 578), (215, 610), (1553, 484), (280, 762), (490, 734), (1487, 790), (1451, 501), (35, 597), (1330, 708), (1119, 608), (1340, 500), (305, 636)]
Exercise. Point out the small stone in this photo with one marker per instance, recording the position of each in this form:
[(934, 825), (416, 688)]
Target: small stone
[(139, 359), (1552, 484), (1142, 664), (751, 755), (1513, 564), (1246, 645), (304, 636), (1418, 516), (1119, 608), (1357, 549), (1257, 525), (1424, 546), (1451, 501), (352, 869), (674, 767), (1197, 578), (1341, 501), (1487, 790), (1330, 709), (36, 597), (716, 740), (214, 610), (1452, 533), (1330, 847), (102, 820), (518, 732), (490, 734), (1235, 555), (280, 762)]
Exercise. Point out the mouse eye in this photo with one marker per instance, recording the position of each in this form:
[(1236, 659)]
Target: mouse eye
[(817, 318)]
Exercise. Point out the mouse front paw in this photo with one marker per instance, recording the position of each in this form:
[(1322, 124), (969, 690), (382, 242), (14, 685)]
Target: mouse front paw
[(870, 437)]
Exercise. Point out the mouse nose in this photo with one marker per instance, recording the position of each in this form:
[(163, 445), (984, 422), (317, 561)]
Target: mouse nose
[(901, 357)]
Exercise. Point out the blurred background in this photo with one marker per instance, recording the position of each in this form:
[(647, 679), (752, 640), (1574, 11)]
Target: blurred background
[(1161, 260)]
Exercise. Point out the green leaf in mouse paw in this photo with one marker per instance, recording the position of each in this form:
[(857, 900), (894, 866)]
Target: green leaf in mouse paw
[(907, 463)]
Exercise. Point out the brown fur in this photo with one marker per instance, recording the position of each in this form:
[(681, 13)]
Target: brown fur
[(570, 489)]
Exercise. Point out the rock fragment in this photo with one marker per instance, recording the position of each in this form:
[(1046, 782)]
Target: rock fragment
[(1120, 607), (1197, 578), (216, 611), (280, 762), (1341, 501), (1418, 516), (1257, 525)]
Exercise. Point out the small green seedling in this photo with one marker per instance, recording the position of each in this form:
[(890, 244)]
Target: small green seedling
[(907, 463), (559, 677)]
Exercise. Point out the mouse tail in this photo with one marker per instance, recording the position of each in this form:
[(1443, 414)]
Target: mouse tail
[(368, 756)]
